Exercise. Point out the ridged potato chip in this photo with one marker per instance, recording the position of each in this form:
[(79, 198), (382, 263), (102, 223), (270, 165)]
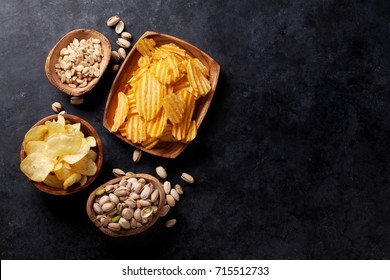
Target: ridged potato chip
[(179, 130), (155, 127), (174, 106), (191, 134), (120, 112), (145, 46), (136, 129), (148, 95)]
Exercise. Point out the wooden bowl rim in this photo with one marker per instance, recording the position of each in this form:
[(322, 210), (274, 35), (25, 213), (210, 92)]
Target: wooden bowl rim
[(67, 38), (179, 147), (123, 233), (85, 126)]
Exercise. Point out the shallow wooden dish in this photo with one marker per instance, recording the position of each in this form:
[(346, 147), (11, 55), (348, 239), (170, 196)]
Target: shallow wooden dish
[(92, 215), (173, 149), (88, 130), (52, 59)]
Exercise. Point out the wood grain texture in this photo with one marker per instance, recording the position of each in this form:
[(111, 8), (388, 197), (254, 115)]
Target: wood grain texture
[(172, 149), (92, 215), (52, 59), (88, 130)]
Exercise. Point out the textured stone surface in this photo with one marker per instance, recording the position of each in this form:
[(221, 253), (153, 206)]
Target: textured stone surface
[(291, 162)]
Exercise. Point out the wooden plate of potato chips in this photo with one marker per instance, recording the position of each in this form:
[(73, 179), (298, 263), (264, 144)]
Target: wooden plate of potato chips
[(161, 94)]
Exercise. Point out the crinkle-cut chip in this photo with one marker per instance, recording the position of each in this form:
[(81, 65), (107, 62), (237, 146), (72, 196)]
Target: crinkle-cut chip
[(85, 166), (145, 46), (91, 140), (64, 172), (92, 155), (166, 70), (131, 98), (35, 146), (53, 181), (137, 75), (197, 79), (167, 136), (179, 130), (120, 111), (200, 66), (122, 130), (144, 61), (168, 49), (181, 84), (72, 179), (150, 143), (148, 95), (79, 154), (135, 129), (191, 134), (37, 166), (37, 133), (174, 106), (155, 127), (63, 144)]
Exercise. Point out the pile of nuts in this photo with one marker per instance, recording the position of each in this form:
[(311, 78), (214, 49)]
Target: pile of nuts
[(129, 204), (123, 41), (172, 195), (79, 62)]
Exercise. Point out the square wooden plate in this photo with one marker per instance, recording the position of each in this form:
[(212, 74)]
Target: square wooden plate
[(171, 149)]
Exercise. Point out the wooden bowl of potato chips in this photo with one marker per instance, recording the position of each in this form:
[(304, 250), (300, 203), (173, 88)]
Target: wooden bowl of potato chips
[(61, 154), (161, 94)]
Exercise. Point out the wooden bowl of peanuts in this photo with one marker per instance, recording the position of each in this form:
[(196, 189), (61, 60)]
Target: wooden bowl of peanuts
[(77, 62), (126, 205)]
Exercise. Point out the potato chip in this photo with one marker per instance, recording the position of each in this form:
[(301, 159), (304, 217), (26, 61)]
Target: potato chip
[(53, 181), (79, 154), (37, 133), (174, 107), (72, 179), (167, 136), (191, 134), (85, 166), (83, 180), (135, 129), (58, 166), (64, 172), (155, 127), (37, 166), (150, 143), (120, 112), (63, 144), (148, 95), (35, 146), (92, 155), (91, 141), (179, 130), (146, 46), (54, 128), (197, 77)]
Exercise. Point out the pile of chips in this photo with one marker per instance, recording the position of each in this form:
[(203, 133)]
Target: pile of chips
[(158, 102), (58, 154)]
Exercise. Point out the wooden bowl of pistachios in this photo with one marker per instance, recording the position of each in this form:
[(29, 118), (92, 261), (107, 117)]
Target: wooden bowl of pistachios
[(77, 62), (126, 205)]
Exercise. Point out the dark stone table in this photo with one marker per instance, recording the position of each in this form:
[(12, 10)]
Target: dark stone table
[(291, 161)]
